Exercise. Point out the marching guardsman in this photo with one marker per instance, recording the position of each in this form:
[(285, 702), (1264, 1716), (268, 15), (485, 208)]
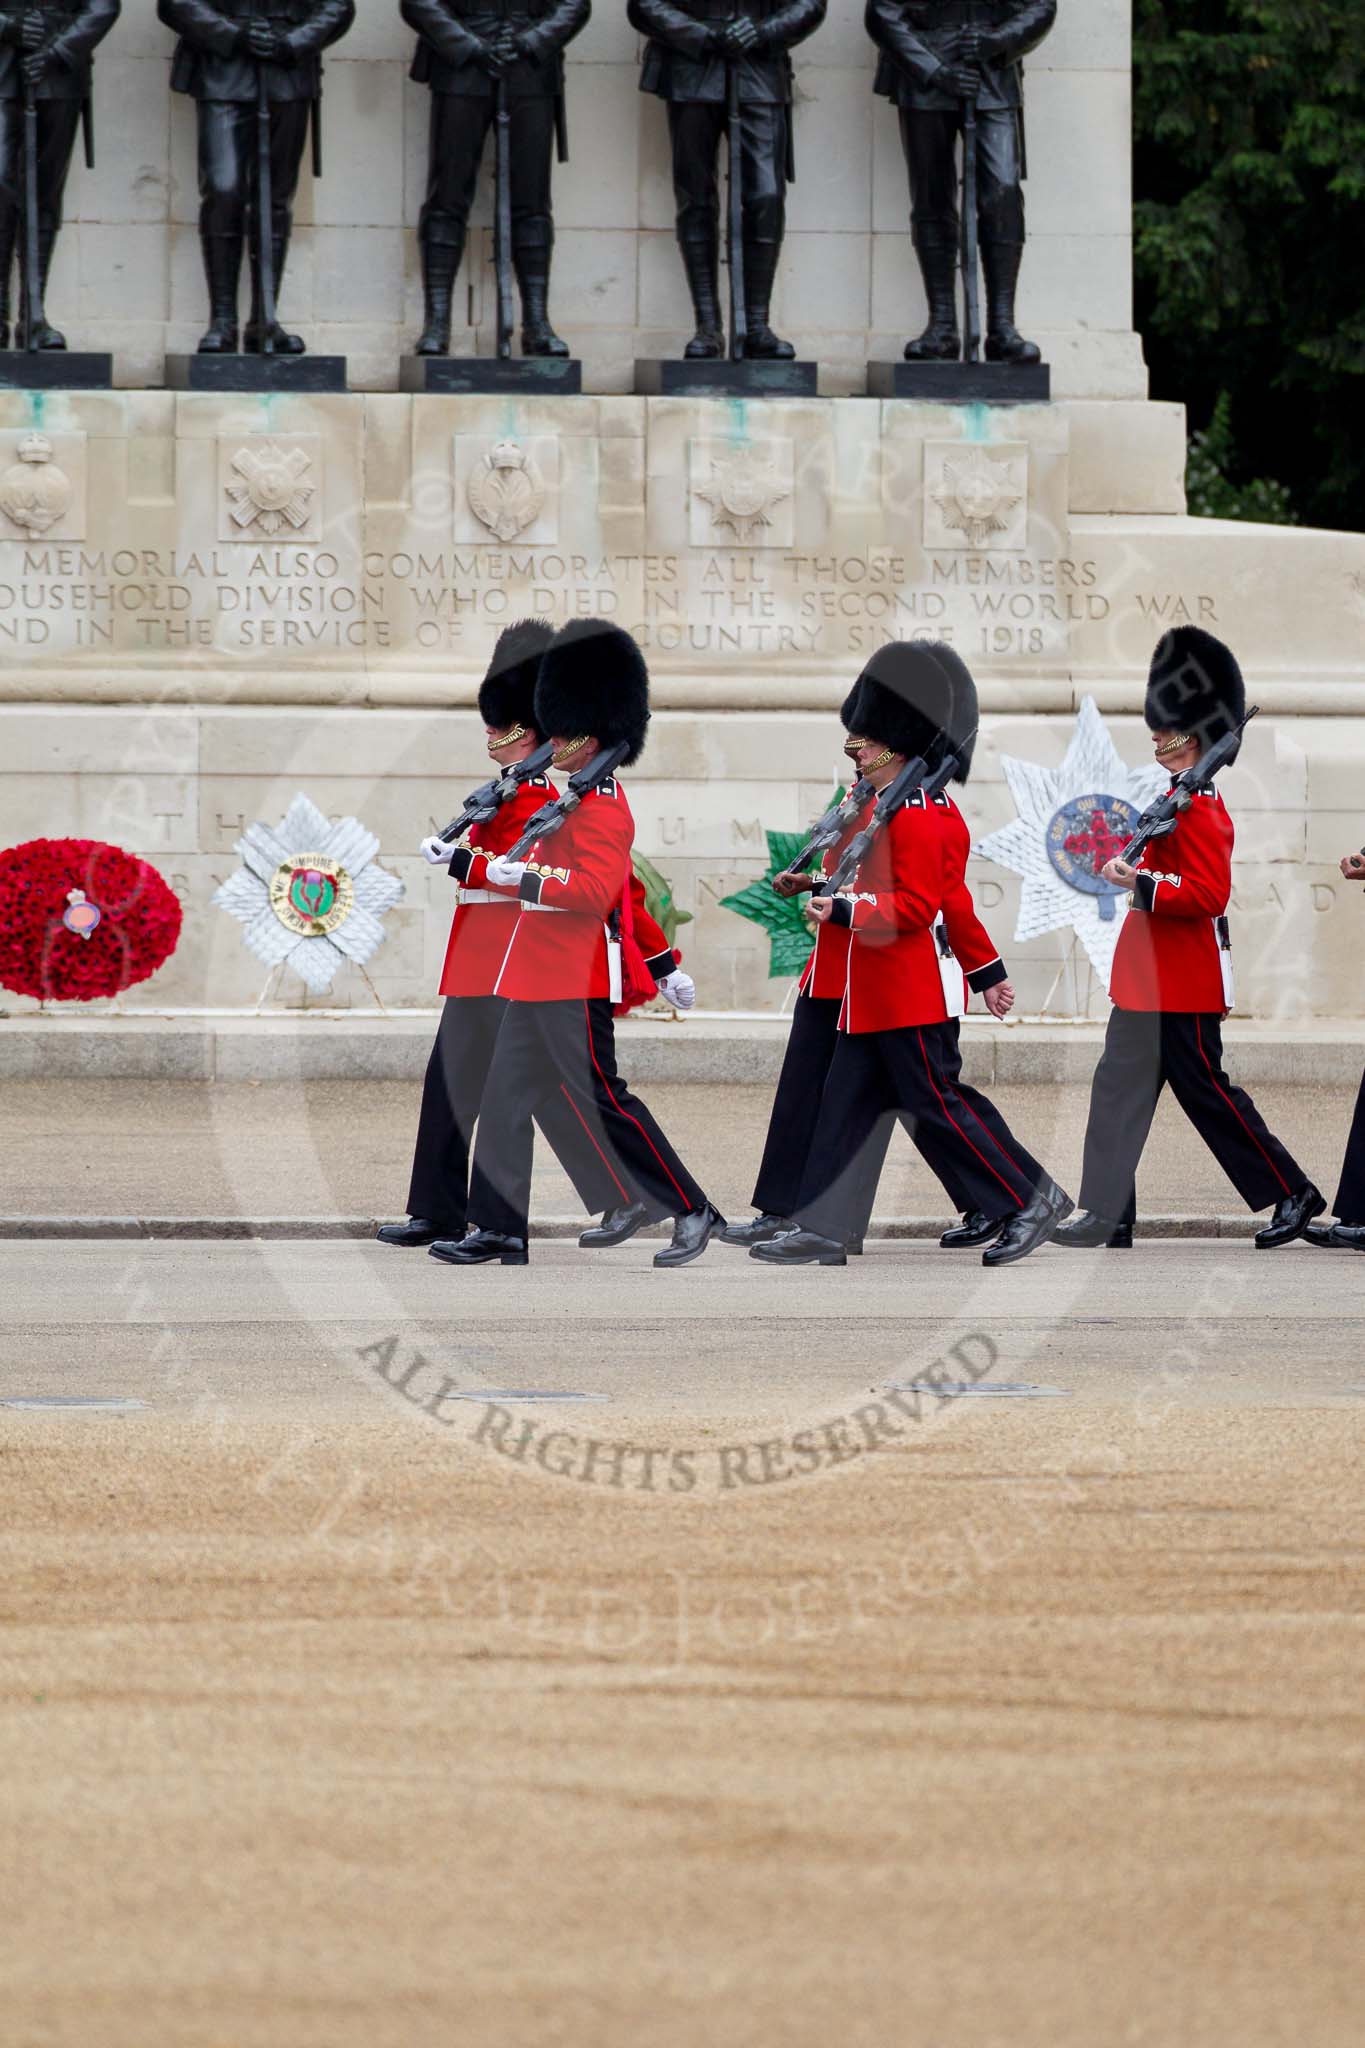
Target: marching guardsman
[(897, 1000), (966, 951), (1171, 984), (561, 974), (47, 49), (229, 50), (1348, 1232), (694, 47), (936, 56), (480, 933), (468, 51)]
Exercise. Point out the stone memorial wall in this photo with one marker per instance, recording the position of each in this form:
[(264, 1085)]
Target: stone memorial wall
[(210, 603)]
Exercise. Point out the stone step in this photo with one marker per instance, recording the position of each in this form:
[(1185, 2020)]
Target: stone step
[(701, 1048)]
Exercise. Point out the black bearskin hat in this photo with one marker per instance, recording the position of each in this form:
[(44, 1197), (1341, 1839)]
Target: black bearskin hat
[(965, 712), (593, 679), (1194, 686), (903, 698), (507, 693)]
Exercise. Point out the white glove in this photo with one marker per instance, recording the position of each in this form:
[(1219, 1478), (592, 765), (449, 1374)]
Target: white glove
[(437, 851), (505, 874), (680, 989)]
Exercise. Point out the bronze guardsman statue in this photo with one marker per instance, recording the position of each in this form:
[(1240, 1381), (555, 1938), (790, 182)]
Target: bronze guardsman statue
[(478, 55), (938, 58), (695, 48), (45, 61), (241, 60)]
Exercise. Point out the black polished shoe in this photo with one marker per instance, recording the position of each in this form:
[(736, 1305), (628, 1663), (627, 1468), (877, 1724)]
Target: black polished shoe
[(1348, 1237), (691, 1235), (480, 1248), (417, 1230), (616, 1226), (758, 1230), (1086, 1231), (975, 1228), (801, 1248), (1033, 1225), (1290, 1218)]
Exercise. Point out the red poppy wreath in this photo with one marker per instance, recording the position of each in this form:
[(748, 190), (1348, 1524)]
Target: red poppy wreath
[(80, 920)]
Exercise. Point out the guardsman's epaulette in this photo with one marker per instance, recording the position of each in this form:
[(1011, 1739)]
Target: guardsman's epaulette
[(915, 801), (942, 800), (536, 782), (1206, 789), (608, 786)]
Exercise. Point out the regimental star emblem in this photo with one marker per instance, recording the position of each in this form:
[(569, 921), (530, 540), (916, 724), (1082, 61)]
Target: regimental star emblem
[(743, 492), (506, 490), (1071, 820), (783, 918), (976, 496), (268, 491), (309, 893)]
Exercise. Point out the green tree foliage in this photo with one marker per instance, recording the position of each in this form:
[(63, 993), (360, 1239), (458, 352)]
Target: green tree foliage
[(1250, 224)]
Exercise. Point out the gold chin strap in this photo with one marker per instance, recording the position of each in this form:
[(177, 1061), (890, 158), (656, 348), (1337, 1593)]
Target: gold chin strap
[(1174, 745), (857, 740), (509, 739), (569, 749)]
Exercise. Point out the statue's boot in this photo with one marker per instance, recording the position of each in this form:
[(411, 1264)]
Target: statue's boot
[(282, 342), (223, 269), (760, 268), (940, 342), (7, 235), (46, 335), (1004, 342), (702, 266), (532, 265), (440, 267)]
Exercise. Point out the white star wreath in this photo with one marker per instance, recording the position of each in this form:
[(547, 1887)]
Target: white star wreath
[(309, 894), (1047, 903)]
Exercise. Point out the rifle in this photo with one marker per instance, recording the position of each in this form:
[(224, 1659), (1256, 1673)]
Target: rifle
[(971, 286), (1160, 817), (502, 213), (265, 207), (551, 816), (734, 217), (828, 831), (33, 267), (914, 775), (486, 801)]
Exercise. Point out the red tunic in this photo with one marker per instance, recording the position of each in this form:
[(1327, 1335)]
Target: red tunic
[(882, 927), (574, 880), (481, 929), (1168, 955), (973, 948)]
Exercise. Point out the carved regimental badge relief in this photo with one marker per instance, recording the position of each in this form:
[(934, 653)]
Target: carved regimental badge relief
[(975, 496), (41, 494), (741, 496), (270, 488), (507, 488)]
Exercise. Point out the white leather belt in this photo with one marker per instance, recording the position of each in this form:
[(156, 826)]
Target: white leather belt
[(486, 896), (560, 909)]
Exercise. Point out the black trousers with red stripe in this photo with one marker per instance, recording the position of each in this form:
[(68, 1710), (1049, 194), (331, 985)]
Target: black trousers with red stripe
[(1350, 1202), (452, 1094), (796, 1108), (876, 1076), (1143, 1050), (569, 1047)]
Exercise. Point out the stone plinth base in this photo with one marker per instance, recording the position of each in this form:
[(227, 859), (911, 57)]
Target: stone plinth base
[(962, 383), (674, 378), (55, 369), (523, 376), (255, 373)]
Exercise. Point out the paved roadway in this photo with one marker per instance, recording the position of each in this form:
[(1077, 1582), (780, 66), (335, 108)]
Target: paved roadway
[(747, 1702)]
